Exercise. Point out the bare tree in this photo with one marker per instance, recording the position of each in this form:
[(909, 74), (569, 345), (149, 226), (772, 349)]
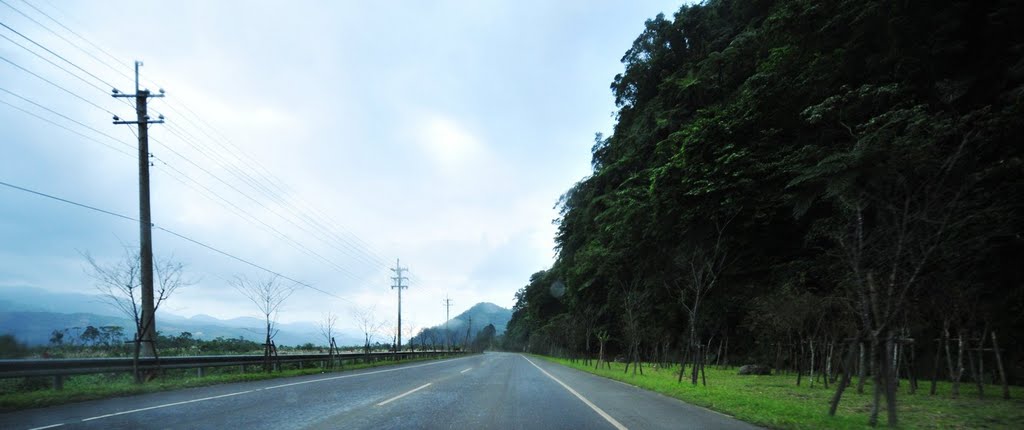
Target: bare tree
[(327, 325), (268, 294), (366, 321), (409, 331), (120, 284), (634, 312), (432, 335), (392, 333), (890, 236), (602, 339), (702, 266)]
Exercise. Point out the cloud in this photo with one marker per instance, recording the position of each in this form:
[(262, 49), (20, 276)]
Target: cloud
[(448, 143)]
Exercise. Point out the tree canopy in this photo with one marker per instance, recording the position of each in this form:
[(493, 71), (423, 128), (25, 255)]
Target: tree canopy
[(857, 165)]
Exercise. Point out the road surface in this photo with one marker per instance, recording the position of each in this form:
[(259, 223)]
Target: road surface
[(488, 391)]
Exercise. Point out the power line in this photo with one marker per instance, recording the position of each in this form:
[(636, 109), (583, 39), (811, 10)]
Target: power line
[(68, 129), (341, 246), (68, 201), (255, 183), (71, 73), (30, 51), (66, 117), (356, 252), (48, 49), (121, 72), (179, 235), (362, 250), (79, 36), (291, 242), (259, 203), (72, 93), (250, 263), (361, 247)]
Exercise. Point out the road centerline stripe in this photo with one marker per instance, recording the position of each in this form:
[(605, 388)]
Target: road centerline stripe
[(47, 427), (599, 411), (166, 405), (404, 394), (264, 388), (467, 370)]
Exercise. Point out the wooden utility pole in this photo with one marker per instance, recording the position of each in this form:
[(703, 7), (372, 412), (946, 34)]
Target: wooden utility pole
[(447, 337), (147, 329), (398, 278)]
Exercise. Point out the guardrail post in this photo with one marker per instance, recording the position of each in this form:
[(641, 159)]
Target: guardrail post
[(199, 372), (58, 382)]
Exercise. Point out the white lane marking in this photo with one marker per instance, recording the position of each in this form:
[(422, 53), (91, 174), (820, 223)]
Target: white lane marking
[(167, 405), (261, 389), (362, 374), (404, 394), (600, 412), (467, 370), (46, 427)]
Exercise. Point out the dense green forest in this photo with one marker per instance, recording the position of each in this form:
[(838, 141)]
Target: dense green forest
[(807, 185)]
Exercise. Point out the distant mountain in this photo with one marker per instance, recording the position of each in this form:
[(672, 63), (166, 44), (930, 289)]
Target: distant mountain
[(31, 315), (481, 314), (31, 299)]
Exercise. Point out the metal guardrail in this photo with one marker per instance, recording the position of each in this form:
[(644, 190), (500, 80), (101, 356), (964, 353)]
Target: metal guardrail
[(59, 367)]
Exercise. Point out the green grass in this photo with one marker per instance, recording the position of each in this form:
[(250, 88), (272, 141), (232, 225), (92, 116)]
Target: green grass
[(776, 402), (27, 393)]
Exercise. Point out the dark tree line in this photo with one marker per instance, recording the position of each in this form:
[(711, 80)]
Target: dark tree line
[(830, 188)]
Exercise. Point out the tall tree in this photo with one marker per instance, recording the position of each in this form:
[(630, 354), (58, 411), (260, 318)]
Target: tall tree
[(119, 284), (268, 294)]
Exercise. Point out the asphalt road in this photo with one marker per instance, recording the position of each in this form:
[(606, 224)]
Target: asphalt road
[(489, 391)]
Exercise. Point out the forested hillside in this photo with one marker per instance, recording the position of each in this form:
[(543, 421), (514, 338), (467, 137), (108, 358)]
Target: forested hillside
[(803, 184)]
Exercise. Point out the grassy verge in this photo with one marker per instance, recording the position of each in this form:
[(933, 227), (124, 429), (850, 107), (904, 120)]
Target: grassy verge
[(776, 402), (30, 393)]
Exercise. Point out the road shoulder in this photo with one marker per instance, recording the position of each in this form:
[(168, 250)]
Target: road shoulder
[(638, 408)]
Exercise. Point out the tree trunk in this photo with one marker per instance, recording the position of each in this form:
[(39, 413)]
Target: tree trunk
[(799, 361), (891, 375), (910, 368), (725, 354), (682, 364), (935, 368), (845, 382), (828, 365), (862, 368), (894, 366), (703, 377), (877, 395), (135, 359), (981, 363), (695, 369), (999, 366), (959, 371), (811, 368)]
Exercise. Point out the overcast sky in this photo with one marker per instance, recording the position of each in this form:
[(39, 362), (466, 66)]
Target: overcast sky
[(332, 138)]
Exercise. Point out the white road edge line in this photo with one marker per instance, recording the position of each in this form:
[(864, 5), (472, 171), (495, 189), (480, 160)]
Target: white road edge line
[(467, 370), (600, 412), (404, 394), (47, 427), (259, 389)]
